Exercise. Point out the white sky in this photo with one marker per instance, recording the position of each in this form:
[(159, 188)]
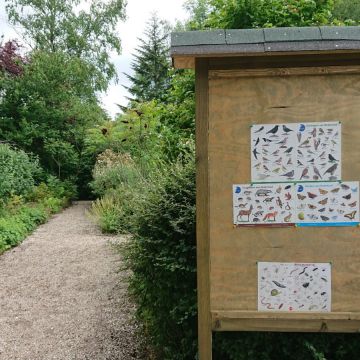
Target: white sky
[(138, 12)]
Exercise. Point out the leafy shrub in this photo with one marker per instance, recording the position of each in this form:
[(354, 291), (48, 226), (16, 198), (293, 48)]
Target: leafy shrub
[(113, 169), (14, 228), (17, 171), (161, 256)]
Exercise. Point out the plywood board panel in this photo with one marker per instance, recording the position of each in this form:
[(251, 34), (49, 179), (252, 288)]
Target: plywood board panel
[(235, 104)]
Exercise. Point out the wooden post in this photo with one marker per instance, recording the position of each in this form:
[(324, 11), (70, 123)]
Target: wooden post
[(202, 210)]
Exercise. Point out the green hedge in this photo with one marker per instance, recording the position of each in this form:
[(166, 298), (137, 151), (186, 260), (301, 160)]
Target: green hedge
[(17, 172)]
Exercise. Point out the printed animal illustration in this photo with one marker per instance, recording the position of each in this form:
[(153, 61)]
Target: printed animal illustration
[(263, 192), (270, 216), (242, 205), (268, 200), (245, 213), (287, 218)]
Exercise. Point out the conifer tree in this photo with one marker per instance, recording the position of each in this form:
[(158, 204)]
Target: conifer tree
[(151, 63)]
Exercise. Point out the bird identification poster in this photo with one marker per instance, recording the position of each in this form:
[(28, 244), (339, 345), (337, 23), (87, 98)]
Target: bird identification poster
[(296, 152), (328, 203), (294, 287), (263, 204)]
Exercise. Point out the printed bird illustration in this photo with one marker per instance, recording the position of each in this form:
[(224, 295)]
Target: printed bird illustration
[(283, 141), (313, 133), (259, 130), (262, 176), (321, 131), (323, 192), (331, 158), (274, 130), (289, 162), (257, 166), (300, 153), (305, 143), (311, 195), (287, 218), (276, 152), (322, 209), (286, 129), (317, 172), (289, 174), (278, 161), (312, 207), (351, 215), (331, 169), (299, 135), (301, 197), (311, 161), (345, 187), (316, 143), (265, 159), (257, 141), (347, 197), (264, 151), (289, 150), (336, 190), (276, 171), (322, 155), (324, 201), (304, 173), (324, 218), (256, 153), (267, 140), (266, 168)]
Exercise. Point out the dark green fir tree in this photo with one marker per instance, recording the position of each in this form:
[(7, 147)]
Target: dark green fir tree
[(151, 64)]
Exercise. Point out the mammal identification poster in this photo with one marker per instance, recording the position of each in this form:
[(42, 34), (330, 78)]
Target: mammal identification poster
[(296, 152), (294, 287), (263, 204)]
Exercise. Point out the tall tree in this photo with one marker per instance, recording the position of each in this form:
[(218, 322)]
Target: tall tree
[(151, 64), (239, 14), (347, 9), (60, 25)]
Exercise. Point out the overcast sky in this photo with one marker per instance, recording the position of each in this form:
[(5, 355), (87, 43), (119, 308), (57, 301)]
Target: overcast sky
[(138, 12)]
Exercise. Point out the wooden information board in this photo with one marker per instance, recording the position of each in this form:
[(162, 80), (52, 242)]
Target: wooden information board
[(231, 99)]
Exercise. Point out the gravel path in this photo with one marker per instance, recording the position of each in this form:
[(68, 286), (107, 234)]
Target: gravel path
[(62, 295)]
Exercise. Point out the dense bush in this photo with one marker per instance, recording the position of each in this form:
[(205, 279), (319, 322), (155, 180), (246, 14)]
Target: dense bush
[(17, 172), (162, 258)]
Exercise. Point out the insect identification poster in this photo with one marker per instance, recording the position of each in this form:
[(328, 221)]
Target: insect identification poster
[(331, 203), (296, 152), (294, 287), (263, 204)]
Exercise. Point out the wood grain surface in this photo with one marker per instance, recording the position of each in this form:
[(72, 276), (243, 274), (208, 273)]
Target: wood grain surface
[(236, 102)]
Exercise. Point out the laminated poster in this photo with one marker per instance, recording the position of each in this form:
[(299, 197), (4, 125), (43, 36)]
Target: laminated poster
[(327, 204), (263, 204), (294, 287), (296, 152)]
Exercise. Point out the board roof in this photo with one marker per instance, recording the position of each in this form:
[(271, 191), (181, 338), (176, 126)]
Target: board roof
[(244, 42)]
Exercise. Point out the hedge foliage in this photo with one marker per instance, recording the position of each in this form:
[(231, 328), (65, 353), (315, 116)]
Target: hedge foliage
[(17, 171)]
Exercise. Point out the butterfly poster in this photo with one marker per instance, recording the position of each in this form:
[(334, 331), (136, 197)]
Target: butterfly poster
[(294, 287), (328, 203)]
